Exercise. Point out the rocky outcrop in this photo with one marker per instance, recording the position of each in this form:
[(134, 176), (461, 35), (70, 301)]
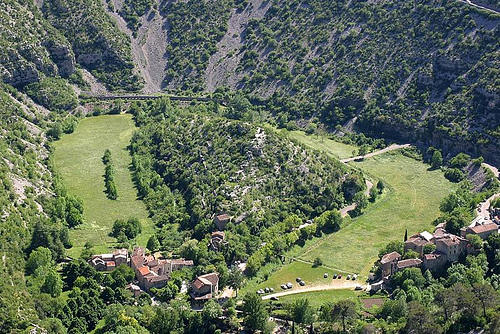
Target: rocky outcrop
[(63, 57)]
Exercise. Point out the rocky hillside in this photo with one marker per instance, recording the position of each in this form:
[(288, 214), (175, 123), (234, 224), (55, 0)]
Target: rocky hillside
[(208, 165), (417, 71)]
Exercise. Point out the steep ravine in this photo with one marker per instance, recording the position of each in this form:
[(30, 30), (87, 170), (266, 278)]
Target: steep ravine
[(221, 68), (148, 48)]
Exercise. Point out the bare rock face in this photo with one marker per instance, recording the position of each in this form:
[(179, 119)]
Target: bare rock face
[(63, 57)]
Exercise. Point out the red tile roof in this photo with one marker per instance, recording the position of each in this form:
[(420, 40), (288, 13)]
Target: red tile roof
[(409, 263), (390, 257), (484, 228), (144, 271)]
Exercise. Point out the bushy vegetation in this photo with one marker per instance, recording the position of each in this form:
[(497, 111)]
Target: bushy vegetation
[(133, 10), (433, 79), (190, 167), (30, 48), (53, 93), (195, 27)]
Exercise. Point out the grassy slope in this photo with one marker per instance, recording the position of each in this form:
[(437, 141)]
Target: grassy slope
[(411, 202), (78, 159), (332, 148)]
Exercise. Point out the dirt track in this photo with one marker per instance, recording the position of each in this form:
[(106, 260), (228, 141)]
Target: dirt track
[(336, 285), (393, 147)]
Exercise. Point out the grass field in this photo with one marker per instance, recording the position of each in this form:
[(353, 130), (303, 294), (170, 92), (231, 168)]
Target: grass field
[(78, 158), (318, 298), (332, 148), (411, 201)]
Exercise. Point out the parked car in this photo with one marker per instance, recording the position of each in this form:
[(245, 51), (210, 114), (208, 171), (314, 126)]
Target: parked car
[(289, 285), (358, 287), (339, 276), (266, 290), (298, 279), (283, 286), (302, 283), (274, 298), (271, 290), (334, 276), (325, 275), (348, 277), (354, 277)]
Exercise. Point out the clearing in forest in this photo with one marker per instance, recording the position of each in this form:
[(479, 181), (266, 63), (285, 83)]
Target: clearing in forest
[(78, 158)]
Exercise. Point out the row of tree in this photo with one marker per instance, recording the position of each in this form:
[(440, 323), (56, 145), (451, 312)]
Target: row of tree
[(109, 175)]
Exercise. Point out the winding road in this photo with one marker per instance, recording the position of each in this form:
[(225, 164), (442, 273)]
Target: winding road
[(484, 207), (470, 3)]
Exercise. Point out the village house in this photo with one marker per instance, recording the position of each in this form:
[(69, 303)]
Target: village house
[(217, 240), (417, 242), (108, 262), (409, 263), (152, 272), (205, 287), (449, 248), (481, 227), (389, 263), (221, 221)]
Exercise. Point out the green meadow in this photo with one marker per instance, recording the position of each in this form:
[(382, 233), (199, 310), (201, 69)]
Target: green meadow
[(409, 202), (78, 157)]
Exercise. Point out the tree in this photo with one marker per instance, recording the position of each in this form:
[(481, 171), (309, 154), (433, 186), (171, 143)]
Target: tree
[(255, 313), (361, 203), (393, 246), (475, 241), (373, 195), (420, 320), (40, 259), (52, 284), (317, 262), (235, 280), (406, 235), (436, 160), (153, 243), (301, 313), (344, 310), (331, 220), (211, 312), (429, 248), (486, 295), (380, 186)]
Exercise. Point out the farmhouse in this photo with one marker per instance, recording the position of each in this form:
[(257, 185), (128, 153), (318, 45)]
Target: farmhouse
[(108, 262), (449, 248), (205, 287)]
